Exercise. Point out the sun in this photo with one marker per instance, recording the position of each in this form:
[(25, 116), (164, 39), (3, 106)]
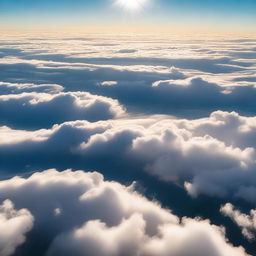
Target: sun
[(131, 5)]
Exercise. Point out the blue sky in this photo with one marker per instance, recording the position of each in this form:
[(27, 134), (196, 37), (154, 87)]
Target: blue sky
[(163, 14)]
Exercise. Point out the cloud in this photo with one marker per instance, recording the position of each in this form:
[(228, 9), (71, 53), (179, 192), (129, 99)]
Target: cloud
[(197, 97), (35, 110), (14, 224), (193, 153), (192, 237), (134, 89), (247, 223), (216, 75), (229, 127), (55, 87), (108, 83), (97, 217), (15, 88), (173, 156)]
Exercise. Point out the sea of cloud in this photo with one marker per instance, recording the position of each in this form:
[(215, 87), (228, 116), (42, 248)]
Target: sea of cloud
[(169, 122)]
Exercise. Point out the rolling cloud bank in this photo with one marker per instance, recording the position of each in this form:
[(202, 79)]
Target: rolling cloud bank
[(130, 146)]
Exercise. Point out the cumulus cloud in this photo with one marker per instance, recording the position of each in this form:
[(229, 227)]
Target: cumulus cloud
[(173, 155), (34, 110), (107, 218), (191, 237), (178, 151), (247, 223), (230, 127), (14, 224)]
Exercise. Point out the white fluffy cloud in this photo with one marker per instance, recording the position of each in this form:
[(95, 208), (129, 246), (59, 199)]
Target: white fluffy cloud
[(247, 223), (14, 224), (229, 127), (191, 237), (191, 153), (97, 217), (175, 155), (44, 109)]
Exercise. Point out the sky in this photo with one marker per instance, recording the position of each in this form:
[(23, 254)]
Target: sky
[(226, 16)]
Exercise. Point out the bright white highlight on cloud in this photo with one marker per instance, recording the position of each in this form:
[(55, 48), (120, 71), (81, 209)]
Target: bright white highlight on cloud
[(105, 218), (13, 227), (247, 223)]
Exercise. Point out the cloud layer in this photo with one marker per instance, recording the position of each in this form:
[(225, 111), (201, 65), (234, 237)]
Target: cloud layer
[(174, 115), (193, 153), (188, 78), (106, 218)]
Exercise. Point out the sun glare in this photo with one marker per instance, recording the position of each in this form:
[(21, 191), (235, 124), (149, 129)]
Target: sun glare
[(131, 5)]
